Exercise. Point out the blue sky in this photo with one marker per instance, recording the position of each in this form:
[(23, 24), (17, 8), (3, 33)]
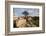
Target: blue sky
[(31, 11)]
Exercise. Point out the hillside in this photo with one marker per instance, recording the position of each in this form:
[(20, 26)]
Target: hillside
[(30, 22)]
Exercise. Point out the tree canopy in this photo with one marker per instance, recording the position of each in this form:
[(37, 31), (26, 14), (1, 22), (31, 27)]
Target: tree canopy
[(25, 13)]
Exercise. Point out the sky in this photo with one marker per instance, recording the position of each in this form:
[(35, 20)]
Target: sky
[(31, 11)]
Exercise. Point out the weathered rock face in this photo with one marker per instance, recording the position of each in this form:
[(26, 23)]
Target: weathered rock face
[(21, 23)]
